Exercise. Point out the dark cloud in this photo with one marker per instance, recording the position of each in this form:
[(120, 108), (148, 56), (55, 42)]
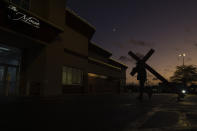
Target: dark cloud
[(126, 59), (169, 66), (177, 49), (119, 44), (167, 70), (130, 59), (195, 43), (189, 59), (187, 30), (140, 43), (140, 55), (128, 44)]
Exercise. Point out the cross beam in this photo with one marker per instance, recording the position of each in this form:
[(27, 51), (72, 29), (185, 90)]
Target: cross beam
[(150, 69), (160, 77), (145, 58)]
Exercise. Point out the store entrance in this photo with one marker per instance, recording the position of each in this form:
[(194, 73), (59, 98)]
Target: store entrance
[(8, 80), (9, 70)]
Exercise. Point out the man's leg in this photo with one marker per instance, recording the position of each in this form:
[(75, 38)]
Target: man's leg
[(141, 90)]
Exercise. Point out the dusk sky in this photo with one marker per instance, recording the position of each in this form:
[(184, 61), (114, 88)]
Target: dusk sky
[(168, 26)]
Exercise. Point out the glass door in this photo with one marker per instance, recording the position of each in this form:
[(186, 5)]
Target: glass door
[(11, 80), (10, 59), (2, 80), (8, 80)]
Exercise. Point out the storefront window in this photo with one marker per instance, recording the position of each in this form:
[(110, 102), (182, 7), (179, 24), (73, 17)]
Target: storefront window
[(22, 3), (72, 76)]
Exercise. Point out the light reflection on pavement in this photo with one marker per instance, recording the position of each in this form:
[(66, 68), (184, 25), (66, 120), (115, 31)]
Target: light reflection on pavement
[(169, 116)]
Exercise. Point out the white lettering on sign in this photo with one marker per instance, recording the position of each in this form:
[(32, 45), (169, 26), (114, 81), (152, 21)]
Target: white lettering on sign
[(19, 16)]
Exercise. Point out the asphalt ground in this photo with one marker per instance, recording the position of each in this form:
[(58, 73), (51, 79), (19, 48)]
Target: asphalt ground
[(99, 113)]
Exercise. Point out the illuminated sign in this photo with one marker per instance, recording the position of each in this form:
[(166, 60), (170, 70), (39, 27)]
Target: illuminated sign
[(16, 15)]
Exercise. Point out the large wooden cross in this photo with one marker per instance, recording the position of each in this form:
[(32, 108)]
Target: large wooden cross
[(150, 69)]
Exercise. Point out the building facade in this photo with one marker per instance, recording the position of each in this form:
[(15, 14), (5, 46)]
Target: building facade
[(104, 74), (46, 50)]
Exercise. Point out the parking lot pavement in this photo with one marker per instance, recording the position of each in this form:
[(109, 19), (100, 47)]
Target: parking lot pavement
[(170, 116), (87, 112)]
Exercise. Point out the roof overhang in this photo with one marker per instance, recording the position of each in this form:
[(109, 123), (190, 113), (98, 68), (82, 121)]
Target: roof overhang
[(95, 48), (90, 59), (79, 24), (116, 63)]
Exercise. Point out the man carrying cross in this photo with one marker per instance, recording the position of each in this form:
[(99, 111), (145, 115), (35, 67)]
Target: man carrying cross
[(140, 69), (142, 77)]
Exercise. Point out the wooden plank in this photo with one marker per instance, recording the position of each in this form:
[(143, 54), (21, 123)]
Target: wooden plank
[(148, 55), (150, 69), (133, 71), (134, 56), (160, 77)]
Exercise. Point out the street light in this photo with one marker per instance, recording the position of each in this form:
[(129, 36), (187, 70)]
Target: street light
[(183, 55)]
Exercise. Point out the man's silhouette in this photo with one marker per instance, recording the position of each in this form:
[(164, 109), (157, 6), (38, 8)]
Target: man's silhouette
[(141, 76)]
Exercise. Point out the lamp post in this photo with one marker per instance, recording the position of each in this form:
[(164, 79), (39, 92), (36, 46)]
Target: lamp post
[(183, 55)]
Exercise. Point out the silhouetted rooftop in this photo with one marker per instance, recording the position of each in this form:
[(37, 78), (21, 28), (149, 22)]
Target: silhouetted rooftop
[(79, 24), (118, 63), (98, 49)]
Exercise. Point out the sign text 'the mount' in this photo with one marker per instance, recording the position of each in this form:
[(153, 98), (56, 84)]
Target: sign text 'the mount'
[(19, 16)]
